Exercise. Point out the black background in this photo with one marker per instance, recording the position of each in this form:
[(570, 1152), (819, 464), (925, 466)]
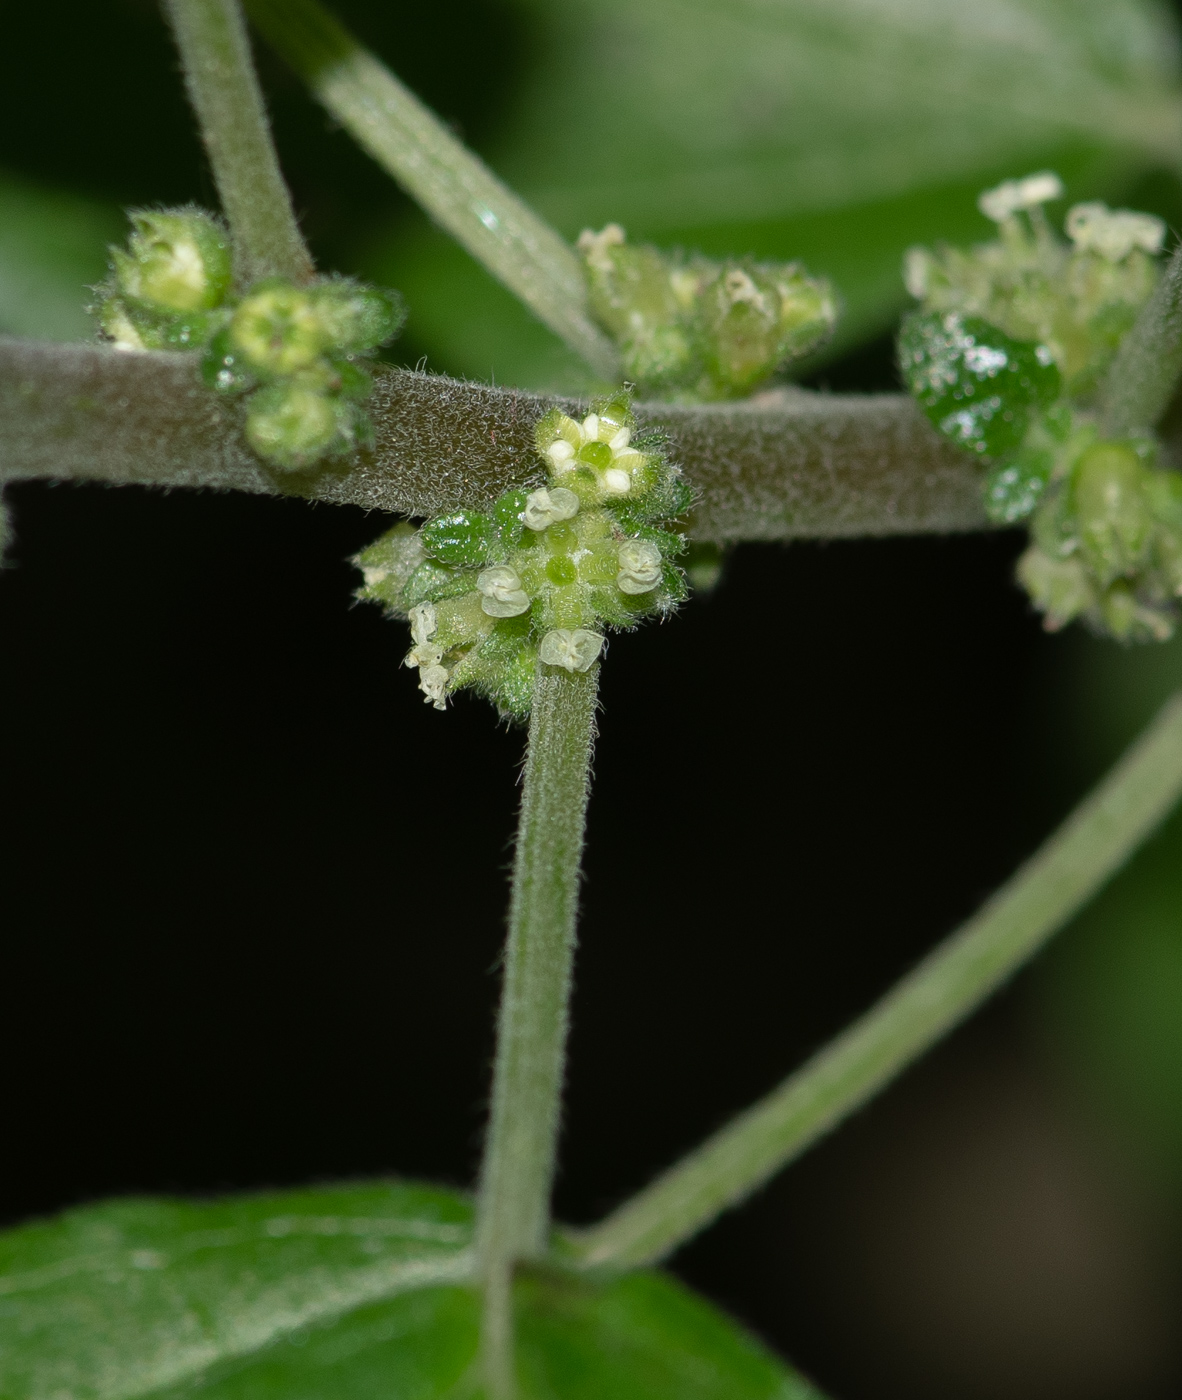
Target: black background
[(254, 888)]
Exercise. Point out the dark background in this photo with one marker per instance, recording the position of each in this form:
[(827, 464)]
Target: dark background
[(254, 888)]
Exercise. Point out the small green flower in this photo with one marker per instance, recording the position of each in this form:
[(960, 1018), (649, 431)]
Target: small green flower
[(176, 260), (1005, 357), (546, 572), (695, 327)]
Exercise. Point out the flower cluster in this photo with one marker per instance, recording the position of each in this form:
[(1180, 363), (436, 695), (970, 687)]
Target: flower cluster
[(694, 327), (297, 354), (1007, 356), (541, 575)]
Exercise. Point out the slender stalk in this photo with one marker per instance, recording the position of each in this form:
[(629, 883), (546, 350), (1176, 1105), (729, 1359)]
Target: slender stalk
[(513, 1221), (454, 186), (224, 90), (1148, 365), (795, 465), (957, 977)]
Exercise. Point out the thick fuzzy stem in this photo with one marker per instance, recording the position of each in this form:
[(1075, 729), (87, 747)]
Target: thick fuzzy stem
[(946, 987), (1143, 377), (224, 90), (514, 1205)]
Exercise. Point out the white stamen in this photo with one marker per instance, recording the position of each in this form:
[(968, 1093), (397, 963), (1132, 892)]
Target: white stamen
[(423, 621), (621, 440), (433, 684), (425, 655), (502, 593), (1006, 199), (917, 268), (591, 428), (616, 482), (373, 576), (575, 650), (1113, 233), (640, 567), (543, 508)]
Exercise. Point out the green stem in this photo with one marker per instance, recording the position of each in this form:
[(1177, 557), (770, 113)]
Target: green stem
[(514, 1203), (455, 187), (224, 90), (957, 977), (796, 465), (1142, 379)]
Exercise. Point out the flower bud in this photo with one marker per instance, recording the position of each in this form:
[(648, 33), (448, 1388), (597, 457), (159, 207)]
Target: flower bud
[(293, 426), (354, 317), (1111, 502), (178, 260), (278, 329)]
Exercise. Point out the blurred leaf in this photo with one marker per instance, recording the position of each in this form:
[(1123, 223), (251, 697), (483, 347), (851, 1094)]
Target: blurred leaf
[(838, 131), (333, 1294), (53, 246)]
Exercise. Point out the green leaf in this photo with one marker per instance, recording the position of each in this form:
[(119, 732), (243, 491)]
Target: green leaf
[(351, 1293), (53, 247)]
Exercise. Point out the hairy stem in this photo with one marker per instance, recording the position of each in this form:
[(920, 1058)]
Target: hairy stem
[(1143, 377), (951, 982), (455, 187), (787, 465), (224, 90), (513, 1220)]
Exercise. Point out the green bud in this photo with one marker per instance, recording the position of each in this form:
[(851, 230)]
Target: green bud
[(355, 317), (755, 316), (464, 539), (293, 426), (1113, 509), (178, 260), (976, 384), (1059, 588), (278, 330)]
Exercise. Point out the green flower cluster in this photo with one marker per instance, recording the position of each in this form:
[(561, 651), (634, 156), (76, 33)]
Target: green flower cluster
[(1006, 358), (695, 328), (546, 571), (298, 354)]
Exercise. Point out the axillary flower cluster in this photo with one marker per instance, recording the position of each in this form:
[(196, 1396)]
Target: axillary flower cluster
[(1007, 357), (696, 328), (296, 354), (546, 571)]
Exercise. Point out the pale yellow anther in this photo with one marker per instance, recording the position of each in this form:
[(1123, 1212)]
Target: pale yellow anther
[(1011, 196), (545, 507), (501, 592), (433, 684), (574, 649), (1113, 233), (616, 482), (423, 621), (640, 567)]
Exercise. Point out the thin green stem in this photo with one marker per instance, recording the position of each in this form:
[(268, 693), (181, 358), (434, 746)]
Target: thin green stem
[(455, 187), (224, 90), (513, 1221), (1143, 377), (957, 977)]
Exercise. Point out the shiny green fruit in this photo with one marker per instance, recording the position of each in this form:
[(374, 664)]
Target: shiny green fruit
[(977, 385)]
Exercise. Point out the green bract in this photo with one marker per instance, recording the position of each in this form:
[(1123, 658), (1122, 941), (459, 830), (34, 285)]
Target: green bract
[(704, 329), (298, 352), (1006, 358), (545, 572)]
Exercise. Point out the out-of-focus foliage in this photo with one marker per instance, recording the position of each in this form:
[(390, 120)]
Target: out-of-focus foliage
[(836, 131), (53, 245), (1110, 991)]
